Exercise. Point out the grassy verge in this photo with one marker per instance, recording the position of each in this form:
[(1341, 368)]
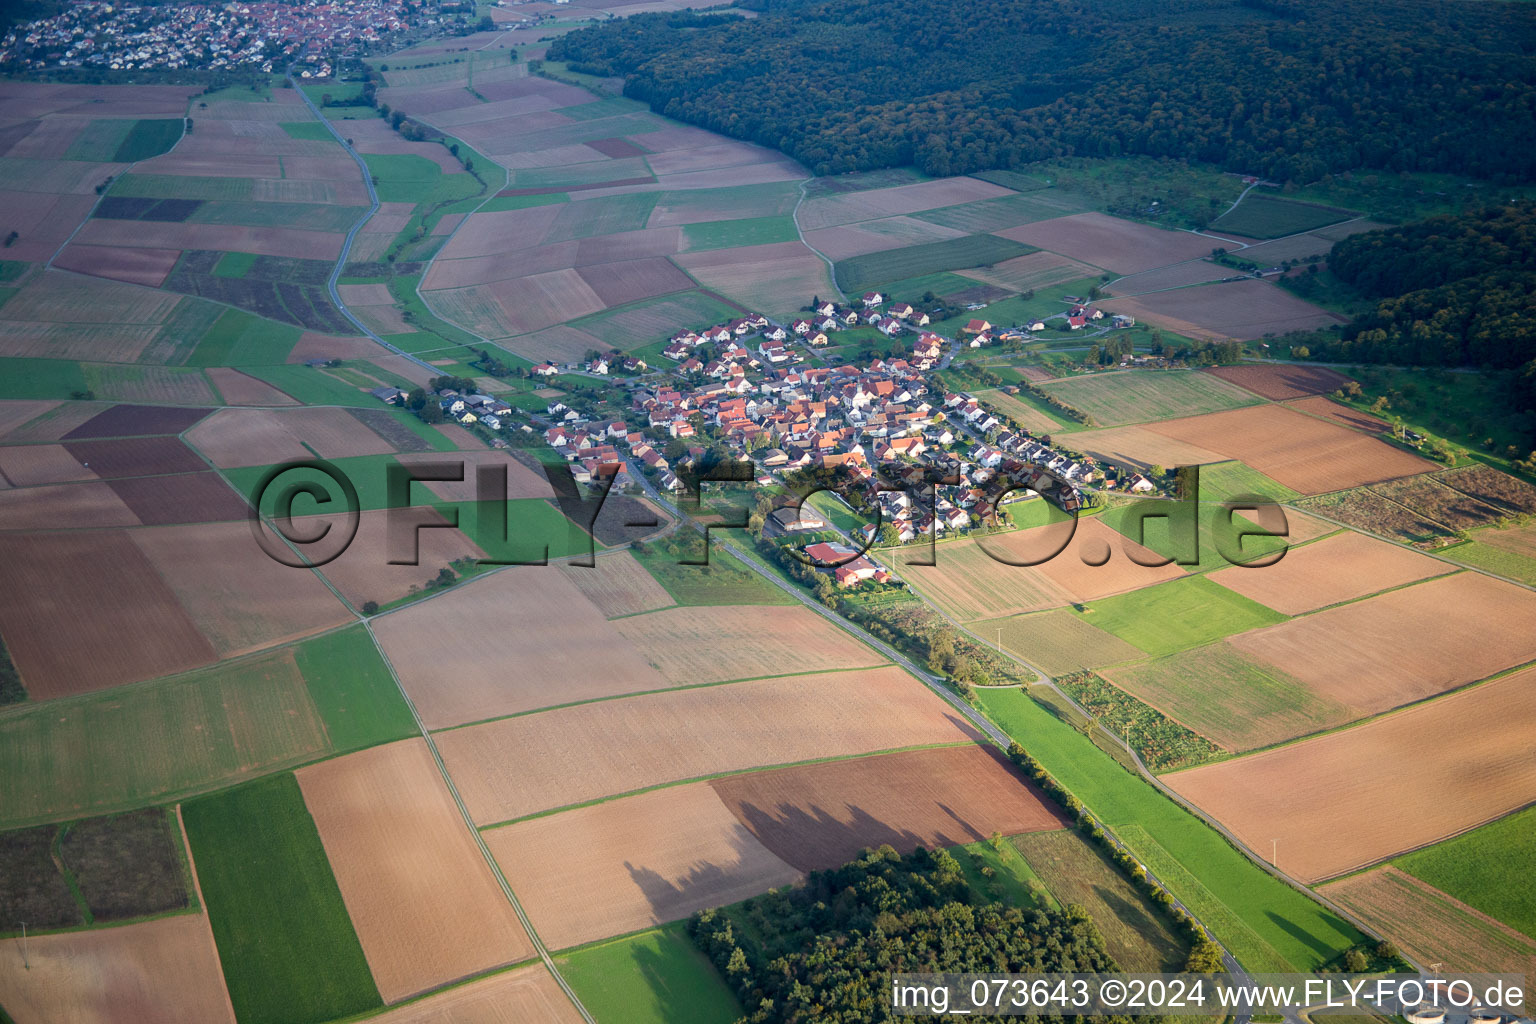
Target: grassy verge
[(653, 977)]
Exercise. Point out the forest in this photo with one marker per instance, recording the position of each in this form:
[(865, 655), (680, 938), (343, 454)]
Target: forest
[(825, 951), (1289, 89), (1451, 291)]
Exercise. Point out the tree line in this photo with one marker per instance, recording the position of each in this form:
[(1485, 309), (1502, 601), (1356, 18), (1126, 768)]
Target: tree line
[(1290, 89)]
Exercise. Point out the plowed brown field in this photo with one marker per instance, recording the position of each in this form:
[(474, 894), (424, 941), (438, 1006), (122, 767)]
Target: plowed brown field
[(426, 906), (241, 389), (1404, 645), (520, 639), (1351, 798), (165, 971), (1304, 453), (363, 573), (619, 585), (1278, 381), (520, 766), (63, 507), (619, 866), (30, 465), (522, 482), (526, 994), (83, 611), (1340, 568), (708, 645), (1119, 245), (819, 816), (240, 598)]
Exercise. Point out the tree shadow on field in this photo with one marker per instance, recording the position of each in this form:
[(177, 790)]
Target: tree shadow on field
[(1324, 949), (665, 977), (812, 838)]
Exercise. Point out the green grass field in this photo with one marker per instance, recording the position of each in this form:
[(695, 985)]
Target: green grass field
[(22, 377), (532, 524), (303, 216), (1011, 876), (1138, 936), (1261, 216), (155, 741), (408, 178), (148, 138), (654, 977), (366, 472), (311, 386), (1235, 701), (1178, 615), (1002, 212), (1137, 396), (289, 951), (1487, 868), (239, 338), (724, 581), (1169, 536), (309, 131), (1511, 564), (498, 204), (183, 186), (1221, 481), (352, 689), (727, 234), (1056, 641), (185, 385), (881, 268), (1265, 922), (606, 215)]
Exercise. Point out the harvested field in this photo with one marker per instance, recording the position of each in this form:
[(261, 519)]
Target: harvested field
[(971, 582), (1031, 417), (1433, 927), (1244, 310), (1135, 396), (1351, 798), (631, 280), (63, 507), (1057, 641), (740, 203), (706, 645), (491, 234), (1404, 645), (453, 653), (1343, 567), (573, 755), (519, 305), (820, 816), (240, 389), (165, 970), (252, 601), (655, 857), (427, 909), (183, 498), (135, 420), (1306, 454), (176, 384), (1495, 488), (770, 277), (264, 241), (1438, 503), (66, 298), (1119, 245), (526, 994), (1519, 540), (619, 585), (1142, 447), (1231, 699), (15, 413), (841, 243), (1179, 275), (137, 456), (144, 266), (34, 464), (1364, 509), (848, 207), (85, 611), (522, 481), (362, 573), (44, 222), (233, 438), (1031, 271), (1278, 382), (1338, 412)]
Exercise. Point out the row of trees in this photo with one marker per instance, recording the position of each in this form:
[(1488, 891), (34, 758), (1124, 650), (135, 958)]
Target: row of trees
[(1290, 89)]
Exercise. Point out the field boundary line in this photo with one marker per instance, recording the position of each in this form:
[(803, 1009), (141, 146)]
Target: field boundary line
[(756, 769), (469, 822), (202, 905), (794, 215), (665, 689)]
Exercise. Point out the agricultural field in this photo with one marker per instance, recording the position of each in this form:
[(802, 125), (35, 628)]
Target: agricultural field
[(690, 646), (1340, 568), (1279, 382), (1484, 868), (163, 970), (1245, 310), (288, 948), (1365, 509), (653, 977), (523, 993), (578, 754), (724, 581), (1503, 551), (1439, 503), (1074, 872), (1352, 778), (426, 907), (1117, 245), (983, 578), (1120, 398), (1177, 615), (1057, 641), (860, 273), (1431, 926), (127, 865), (1260, 216), (1266, 923)]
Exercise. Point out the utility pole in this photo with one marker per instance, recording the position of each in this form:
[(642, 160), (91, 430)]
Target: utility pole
[(24, 962), (1274, 853), (999, 639)]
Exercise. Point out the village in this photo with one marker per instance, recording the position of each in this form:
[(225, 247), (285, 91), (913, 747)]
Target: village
[(921, 462), (264, 36)]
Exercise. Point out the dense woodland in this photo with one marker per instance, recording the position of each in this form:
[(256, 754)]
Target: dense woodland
[(1291, 89), (825, 952)]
